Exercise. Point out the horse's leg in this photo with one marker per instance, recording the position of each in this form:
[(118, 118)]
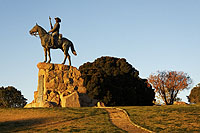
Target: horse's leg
[(45, 54), (64, 59), (65, 49), (48, 51), (68, 56)]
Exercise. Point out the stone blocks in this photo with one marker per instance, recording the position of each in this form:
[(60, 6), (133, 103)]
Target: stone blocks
[(60, 86)]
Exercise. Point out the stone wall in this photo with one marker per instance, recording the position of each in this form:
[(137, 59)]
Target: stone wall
[(60, 85)]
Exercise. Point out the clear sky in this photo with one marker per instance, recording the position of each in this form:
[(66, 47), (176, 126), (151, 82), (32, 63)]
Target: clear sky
[(151, 34)]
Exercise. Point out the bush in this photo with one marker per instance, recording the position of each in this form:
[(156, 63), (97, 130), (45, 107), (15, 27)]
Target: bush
[(116, 83), (11, 98), (194, 96)]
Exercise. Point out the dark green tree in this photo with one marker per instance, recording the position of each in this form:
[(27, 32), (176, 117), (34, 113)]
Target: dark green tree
[(116, 83), (194, 96), (11, 98)]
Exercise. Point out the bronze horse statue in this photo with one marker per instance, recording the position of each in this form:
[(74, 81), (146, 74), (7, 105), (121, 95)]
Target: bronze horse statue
[(63, 43)]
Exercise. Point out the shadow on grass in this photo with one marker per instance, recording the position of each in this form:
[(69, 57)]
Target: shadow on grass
[(21, 125)]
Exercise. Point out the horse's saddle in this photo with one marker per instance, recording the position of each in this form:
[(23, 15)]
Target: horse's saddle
[(56, 41)]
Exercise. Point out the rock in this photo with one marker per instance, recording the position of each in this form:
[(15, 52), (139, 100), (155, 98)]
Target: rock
[(31, 105), (53, 94), (71, 100), (86, 101), (56, 100), (28, 105), (45, 97), (35, 95), (100, 104), (47, 66), (47, 104), (60, 85), (82, 90)]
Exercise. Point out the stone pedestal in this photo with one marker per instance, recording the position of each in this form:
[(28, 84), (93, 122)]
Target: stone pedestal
[(61, 86)]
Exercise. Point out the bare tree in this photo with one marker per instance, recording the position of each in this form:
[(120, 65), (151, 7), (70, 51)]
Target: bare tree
[(169, 83)]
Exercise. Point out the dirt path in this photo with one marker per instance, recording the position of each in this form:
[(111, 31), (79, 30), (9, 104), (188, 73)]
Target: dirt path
[(121, 119)]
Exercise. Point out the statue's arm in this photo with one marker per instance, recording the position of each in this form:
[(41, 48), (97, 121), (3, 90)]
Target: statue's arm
[(51, 26), (50, 22), (54, 28)]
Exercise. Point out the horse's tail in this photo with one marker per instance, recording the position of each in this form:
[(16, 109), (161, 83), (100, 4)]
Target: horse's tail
[(72, 48)]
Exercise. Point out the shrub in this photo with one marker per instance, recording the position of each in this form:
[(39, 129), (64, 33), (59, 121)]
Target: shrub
[(194, 96), (11, 97), (115, 82)]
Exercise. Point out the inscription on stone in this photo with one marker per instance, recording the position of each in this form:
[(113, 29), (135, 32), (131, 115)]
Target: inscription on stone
[(40, 88)]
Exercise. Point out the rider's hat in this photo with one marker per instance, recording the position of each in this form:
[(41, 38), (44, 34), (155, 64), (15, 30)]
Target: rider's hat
[(58, 19)]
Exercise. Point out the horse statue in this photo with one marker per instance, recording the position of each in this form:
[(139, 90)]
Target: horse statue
[(63, 43)]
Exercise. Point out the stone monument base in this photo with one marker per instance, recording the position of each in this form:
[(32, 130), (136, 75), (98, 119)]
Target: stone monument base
[(60, 86)]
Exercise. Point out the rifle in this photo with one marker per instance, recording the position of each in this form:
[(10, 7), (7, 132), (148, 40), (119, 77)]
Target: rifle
[(50, 22)]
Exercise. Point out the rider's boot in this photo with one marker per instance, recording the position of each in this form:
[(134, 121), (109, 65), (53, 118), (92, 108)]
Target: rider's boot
[(52, 42)]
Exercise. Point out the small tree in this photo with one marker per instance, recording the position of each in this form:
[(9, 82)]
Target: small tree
[(11, 98), (169, 83)]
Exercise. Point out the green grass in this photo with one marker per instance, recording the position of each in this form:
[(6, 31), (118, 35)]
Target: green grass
[(182, 118), (56, 120), (155, 118)]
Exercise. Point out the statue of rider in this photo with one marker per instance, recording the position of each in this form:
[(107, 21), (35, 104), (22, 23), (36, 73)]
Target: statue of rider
[(55, 31)]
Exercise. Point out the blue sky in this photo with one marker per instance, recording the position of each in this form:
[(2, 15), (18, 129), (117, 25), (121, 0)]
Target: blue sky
[(151, 34)]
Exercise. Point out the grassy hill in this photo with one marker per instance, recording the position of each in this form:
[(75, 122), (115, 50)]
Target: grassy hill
[(173, 118), (156, 118), (56, 120)]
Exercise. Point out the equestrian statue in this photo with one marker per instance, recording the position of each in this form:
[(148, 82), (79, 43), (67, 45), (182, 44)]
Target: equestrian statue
[(53, 40)]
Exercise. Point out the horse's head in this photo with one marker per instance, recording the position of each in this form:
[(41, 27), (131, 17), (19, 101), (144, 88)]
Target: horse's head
[(34, 30)]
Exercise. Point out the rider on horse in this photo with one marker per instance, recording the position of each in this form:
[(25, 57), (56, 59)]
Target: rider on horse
[(55, 31), (64, 44)]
